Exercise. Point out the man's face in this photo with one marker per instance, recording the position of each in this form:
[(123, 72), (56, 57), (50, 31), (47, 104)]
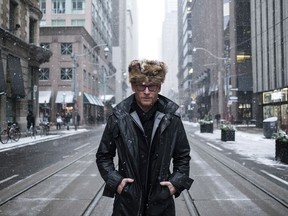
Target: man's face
[(146, 95)]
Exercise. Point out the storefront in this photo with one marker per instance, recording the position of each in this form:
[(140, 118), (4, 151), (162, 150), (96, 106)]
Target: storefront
[(275, 104), (44, 104), (93, 107), (64, 103)]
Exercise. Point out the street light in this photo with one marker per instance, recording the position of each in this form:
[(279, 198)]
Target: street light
[(105, 77), (75, 64), (74, 58), (227, 69)]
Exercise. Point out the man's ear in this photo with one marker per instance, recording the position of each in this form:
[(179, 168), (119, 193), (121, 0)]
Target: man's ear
[(159, 88)]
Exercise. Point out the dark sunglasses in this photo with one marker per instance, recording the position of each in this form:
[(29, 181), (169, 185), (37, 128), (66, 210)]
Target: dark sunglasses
[(151, 88)]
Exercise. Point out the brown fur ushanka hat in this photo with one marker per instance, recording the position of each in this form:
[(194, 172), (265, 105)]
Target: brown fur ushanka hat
[(147, 71)]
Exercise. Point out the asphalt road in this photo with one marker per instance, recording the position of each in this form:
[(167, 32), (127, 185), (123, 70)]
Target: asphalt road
[(20, 163), (225, 183)]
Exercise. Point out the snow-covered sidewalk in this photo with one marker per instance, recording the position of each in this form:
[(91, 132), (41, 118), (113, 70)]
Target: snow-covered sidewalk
[(250, 145), (24, 141)]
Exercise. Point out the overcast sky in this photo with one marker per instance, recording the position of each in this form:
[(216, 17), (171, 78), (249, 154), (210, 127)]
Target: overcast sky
[(150, 18)]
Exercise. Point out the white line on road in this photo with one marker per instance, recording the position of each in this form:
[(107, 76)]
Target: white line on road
[(275, 177), (219, 149), (82, 146), (7, 179)]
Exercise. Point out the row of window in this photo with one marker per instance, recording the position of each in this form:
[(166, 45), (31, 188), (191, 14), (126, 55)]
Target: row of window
[(58, 6), (67, 49), (65, 74)]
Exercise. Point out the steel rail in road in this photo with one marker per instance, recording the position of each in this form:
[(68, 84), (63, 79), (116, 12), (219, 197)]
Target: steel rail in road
[(269, 188), (43, 177), (68, 162)]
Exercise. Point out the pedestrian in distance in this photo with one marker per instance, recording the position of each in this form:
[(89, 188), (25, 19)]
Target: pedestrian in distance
[(147, 135), (67, 120), (30, 120), (78, 119), (58, 121)]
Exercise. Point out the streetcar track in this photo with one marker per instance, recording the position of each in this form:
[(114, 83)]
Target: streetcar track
[(225, 162), (94, 202), (192, 208), (189, 201), (51, 174), (96, 199), (90, 207), (53, 170)]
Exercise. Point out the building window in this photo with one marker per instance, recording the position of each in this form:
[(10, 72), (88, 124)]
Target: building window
[(43, 6), (45, 46), (43, 74), (58, 6), (13, 16), (66, 48), (66, 74), (78, 22), (78, 5), (32, 30), (59, 22), (42, 23)]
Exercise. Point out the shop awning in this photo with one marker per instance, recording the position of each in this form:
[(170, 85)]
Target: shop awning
[(2, 78), (16, 77), (89, 99), (98, 101), (44, 97), (64, 97), (108, 98)]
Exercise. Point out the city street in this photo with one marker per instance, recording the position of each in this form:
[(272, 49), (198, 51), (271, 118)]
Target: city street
[(58, 176)]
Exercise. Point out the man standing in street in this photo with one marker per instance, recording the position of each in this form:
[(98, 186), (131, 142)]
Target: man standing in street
[(147, 135)]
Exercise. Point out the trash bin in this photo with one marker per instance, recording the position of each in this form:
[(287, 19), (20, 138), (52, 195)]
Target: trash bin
[(269, 127)]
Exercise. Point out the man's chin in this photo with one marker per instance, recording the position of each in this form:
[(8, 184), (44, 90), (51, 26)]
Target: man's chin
[(146, 104)]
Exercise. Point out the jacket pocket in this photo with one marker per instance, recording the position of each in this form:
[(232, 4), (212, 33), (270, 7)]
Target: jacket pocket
[(160, 194), (128, 200)]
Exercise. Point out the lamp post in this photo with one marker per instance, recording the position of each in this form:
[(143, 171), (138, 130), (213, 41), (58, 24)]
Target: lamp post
[(226, 61), (64, 104), (74, 58), (75, 64), (104, 93), (105, 78)]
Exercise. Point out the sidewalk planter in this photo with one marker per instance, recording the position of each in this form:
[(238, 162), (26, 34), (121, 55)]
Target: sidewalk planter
[(227, 131), (206, 128), (206, 124), (227, 135), (281, 150)]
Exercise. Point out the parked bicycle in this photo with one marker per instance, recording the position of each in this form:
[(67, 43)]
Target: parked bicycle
[(44, 128), (11, 132)]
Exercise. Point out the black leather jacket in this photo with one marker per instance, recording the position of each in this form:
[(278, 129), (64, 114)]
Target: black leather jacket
[(172, 144)]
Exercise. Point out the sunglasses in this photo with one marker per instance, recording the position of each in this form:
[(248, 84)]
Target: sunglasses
[(151, 88)]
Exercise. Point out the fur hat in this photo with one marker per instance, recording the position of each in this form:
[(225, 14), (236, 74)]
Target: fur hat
[(147, 71)]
